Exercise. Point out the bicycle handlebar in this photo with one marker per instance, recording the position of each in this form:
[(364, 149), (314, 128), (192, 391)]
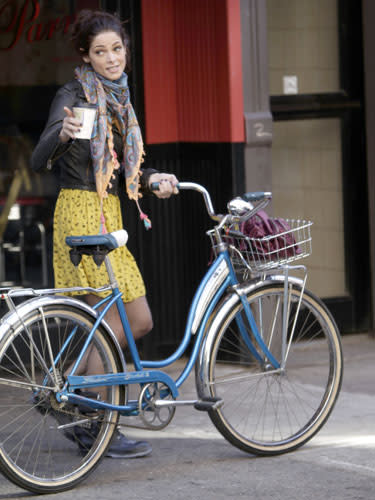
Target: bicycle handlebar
[(206, 196), (263, 197), (195, 187)]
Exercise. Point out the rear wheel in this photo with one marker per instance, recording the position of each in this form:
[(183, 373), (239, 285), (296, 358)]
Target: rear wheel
[(45, 445), (266, 410)]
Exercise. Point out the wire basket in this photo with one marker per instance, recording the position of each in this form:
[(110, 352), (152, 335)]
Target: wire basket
[(268, 252)]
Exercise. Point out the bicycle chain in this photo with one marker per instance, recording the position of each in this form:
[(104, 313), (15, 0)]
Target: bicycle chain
[(61, 407)]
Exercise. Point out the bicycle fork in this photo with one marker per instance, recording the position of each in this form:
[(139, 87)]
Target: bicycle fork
[(255, 338)]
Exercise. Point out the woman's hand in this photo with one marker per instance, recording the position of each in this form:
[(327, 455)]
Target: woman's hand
[(70, 126), (167, 184)]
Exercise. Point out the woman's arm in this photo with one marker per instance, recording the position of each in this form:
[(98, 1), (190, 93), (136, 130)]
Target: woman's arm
[(50, 145), (145, 178)]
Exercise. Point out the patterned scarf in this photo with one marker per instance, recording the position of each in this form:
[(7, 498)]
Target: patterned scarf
[(114, 107)]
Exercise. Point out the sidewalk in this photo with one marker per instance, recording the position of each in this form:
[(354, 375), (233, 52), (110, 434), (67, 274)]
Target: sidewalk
[(191, 460), (354, 411)]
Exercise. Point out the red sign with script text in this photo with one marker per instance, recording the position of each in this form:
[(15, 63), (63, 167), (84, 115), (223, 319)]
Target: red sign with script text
[(34, 41)]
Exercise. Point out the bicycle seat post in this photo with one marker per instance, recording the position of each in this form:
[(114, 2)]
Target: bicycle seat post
[(110, 272)]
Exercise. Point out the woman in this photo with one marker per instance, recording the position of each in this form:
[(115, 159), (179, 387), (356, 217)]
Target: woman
[(88, 201)]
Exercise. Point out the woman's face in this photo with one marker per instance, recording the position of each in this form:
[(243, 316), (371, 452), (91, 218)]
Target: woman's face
[(107, 55)]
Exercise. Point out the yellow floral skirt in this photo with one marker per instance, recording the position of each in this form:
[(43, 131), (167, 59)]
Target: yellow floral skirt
[(77, 213)]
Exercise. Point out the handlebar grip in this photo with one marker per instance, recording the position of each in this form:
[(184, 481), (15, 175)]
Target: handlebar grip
[(257, 196), (155, 186)]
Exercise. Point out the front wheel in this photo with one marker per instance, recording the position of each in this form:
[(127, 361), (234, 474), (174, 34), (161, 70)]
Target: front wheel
[(268, 410)]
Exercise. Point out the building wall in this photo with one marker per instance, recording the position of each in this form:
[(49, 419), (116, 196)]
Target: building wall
[(307, 184), (303, 41), (304, 135), (192, 71), (306, 154)]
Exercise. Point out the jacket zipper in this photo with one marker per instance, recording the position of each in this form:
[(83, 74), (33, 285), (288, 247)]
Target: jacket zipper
[(52, 160)]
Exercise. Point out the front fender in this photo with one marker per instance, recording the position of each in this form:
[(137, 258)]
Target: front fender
[(230, 300)]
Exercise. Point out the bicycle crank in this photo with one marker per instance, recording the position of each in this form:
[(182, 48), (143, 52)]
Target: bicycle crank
[(153, 416)]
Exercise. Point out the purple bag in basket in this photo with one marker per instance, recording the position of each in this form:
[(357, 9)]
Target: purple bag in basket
[(279, 246)]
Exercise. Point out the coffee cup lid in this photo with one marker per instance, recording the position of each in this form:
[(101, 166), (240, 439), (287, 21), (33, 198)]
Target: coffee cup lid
[(86, 105)]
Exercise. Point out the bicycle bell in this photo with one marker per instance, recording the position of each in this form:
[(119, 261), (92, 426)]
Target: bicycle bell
[(239, 207)]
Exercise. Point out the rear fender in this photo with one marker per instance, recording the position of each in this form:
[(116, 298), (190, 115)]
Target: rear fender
[(12, 319)]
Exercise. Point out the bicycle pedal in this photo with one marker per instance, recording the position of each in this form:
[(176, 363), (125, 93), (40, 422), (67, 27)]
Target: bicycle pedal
[(207, 404)]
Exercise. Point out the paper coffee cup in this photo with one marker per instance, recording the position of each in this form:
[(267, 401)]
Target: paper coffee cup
[(86, 115)]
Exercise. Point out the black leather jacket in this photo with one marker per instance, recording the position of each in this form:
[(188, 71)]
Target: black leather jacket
[(73, 158)]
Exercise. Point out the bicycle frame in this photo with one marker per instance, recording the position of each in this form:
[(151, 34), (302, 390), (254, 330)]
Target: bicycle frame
[(218, 278)]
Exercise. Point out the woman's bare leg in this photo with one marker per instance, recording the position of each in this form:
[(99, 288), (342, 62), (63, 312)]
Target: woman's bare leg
[(140, 320), (138, 313)]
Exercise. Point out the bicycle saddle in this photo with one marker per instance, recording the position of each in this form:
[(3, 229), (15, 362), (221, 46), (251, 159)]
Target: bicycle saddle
[(97, 245)]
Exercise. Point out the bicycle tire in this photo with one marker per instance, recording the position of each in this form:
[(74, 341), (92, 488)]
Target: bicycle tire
[(268, 411), (42, 448)]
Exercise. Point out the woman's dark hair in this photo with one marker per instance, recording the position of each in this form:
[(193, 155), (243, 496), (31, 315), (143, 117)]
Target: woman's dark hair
[(90, 23)]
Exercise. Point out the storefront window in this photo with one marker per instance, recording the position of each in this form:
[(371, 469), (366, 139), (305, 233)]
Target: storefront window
[(36, 58)]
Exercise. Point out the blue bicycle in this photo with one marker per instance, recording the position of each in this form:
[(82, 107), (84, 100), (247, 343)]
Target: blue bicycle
[(266, 352)]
